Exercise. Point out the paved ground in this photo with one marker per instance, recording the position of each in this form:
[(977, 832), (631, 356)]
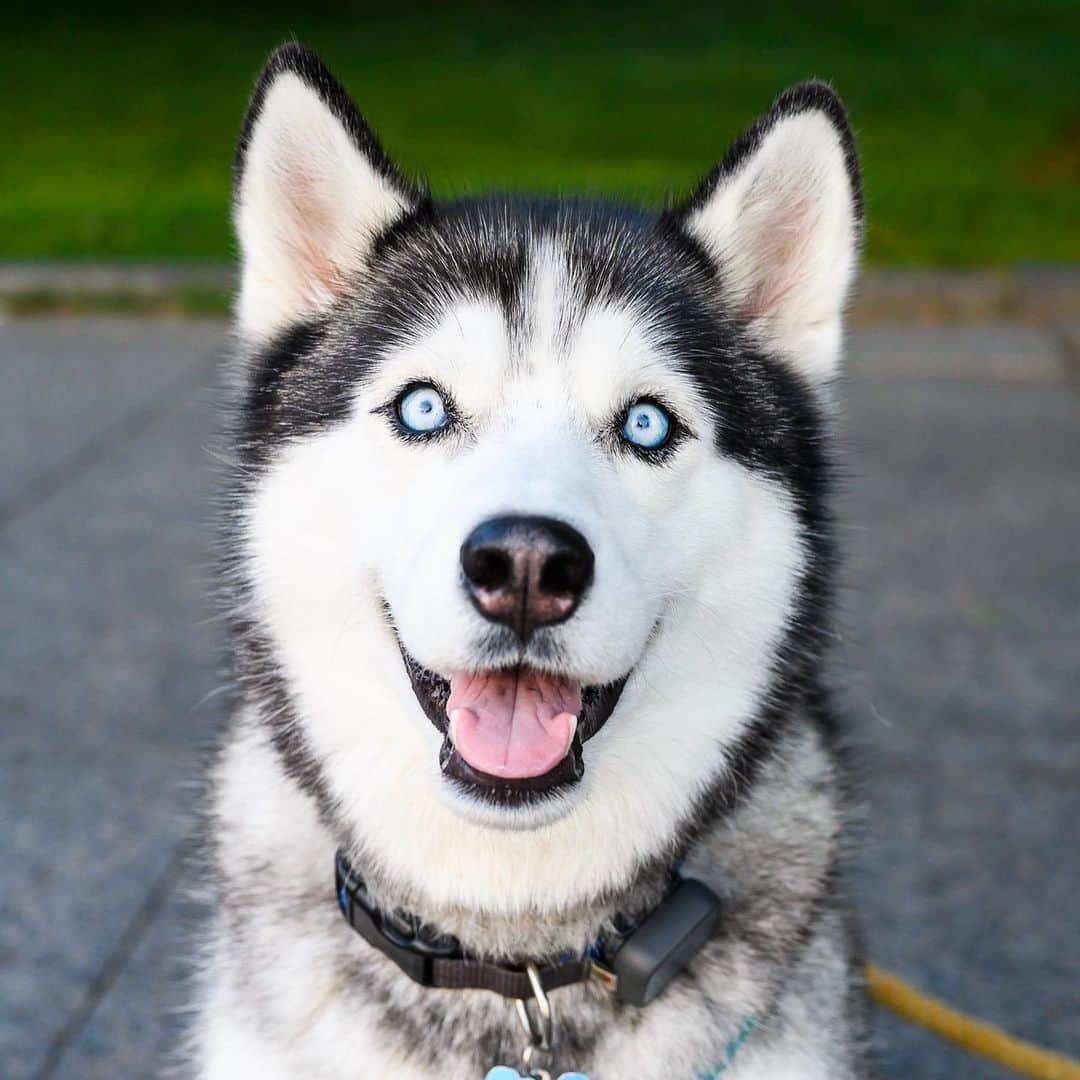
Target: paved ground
[(960, 655), (1024, 294)]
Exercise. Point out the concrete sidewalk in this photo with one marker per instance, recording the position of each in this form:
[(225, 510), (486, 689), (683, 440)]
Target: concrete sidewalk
[(1031, 295), (958, 661)]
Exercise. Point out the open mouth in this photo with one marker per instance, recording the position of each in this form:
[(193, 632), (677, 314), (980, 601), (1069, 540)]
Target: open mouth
[(515, 735)]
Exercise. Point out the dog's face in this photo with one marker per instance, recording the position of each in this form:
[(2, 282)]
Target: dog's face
[(530, 513)]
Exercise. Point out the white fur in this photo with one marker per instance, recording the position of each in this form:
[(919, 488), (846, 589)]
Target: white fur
[(783, 230), (308, 206), (704, 547)]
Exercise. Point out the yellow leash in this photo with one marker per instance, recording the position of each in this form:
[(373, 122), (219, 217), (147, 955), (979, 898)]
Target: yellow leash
[(971, 1035)]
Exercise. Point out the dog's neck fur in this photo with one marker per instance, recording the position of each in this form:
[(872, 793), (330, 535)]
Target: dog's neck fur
[(539, 933), (275, 861)]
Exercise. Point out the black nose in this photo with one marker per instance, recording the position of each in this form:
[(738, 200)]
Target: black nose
[(526, 572)]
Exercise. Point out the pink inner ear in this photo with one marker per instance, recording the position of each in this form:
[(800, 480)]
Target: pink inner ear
[(779, 231), (313, 234)]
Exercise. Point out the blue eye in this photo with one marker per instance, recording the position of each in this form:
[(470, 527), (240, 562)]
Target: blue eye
[(422, 410), (647, 425)]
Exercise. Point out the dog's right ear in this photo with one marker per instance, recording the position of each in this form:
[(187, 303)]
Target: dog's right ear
[(313, 191), (780, 218)]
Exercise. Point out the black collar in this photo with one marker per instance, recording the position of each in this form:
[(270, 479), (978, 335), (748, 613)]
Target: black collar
[(635, 964)]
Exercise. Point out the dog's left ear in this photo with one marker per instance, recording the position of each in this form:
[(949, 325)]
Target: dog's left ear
[(313, 191), (781, 219)]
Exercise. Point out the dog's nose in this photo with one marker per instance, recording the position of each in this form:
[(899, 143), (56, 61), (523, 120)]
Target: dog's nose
[(526, 572)]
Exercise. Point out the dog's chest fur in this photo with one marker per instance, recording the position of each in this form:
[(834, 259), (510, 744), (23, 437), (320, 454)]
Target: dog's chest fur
[(306, 997)]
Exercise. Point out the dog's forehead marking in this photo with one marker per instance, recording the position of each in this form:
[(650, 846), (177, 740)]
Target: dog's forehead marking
[(546, 307), (556, 348), (599, 350)]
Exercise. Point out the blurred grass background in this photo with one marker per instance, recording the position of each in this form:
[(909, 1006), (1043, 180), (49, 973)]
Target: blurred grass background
[(121, 118)]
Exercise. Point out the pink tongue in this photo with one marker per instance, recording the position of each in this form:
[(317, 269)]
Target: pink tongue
[(513, 724)]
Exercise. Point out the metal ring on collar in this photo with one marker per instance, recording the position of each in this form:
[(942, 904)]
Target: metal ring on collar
[(539, 1029)]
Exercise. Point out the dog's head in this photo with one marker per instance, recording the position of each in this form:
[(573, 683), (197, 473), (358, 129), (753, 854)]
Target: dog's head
[(530, 499)]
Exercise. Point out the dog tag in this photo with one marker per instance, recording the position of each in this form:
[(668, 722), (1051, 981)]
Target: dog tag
[(504, 1072)]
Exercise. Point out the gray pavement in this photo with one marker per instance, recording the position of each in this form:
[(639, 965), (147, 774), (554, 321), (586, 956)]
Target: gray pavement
[(1033, 294), (958, 666)]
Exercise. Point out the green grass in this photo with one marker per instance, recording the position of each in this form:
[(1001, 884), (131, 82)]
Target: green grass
[(119, 125)]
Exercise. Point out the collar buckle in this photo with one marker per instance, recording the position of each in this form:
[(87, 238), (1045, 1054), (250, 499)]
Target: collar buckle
[(604, 977)]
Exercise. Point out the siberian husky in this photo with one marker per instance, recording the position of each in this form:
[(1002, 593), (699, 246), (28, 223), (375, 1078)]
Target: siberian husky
[(528, 561)]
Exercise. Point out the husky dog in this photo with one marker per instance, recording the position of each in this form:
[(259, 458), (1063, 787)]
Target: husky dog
[(528, 560)]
